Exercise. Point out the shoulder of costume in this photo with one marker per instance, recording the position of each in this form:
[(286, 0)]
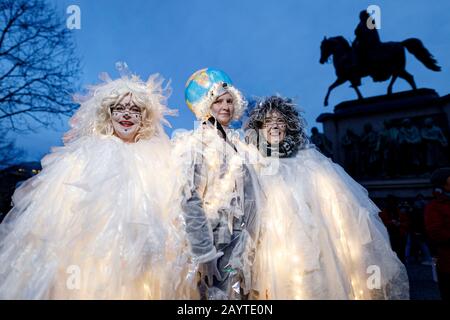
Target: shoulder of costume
[(197, 135), (186, 144)]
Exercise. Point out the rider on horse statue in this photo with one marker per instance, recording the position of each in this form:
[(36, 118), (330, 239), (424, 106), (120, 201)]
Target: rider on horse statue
[(369, 57), (366, 42)]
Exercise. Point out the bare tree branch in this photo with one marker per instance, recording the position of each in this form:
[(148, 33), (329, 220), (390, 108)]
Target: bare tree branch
[(21, 10), (38, 65)]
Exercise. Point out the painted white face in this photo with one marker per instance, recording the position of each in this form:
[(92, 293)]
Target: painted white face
[(274, 128), (223, 109), (126, 119)]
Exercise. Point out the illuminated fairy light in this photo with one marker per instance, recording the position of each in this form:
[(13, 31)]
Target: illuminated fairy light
[(147, 290), (225, 189), (279, 254), (337, 215), (349, 249), (298, 282), (298, 279), (278, 228)]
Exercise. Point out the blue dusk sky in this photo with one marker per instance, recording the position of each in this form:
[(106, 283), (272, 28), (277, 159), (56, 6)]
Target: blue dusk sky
[(266, 46)]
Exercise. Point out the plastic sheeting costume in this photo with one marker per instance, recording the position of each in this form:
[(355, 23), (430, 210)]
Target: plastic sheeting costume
[(92, 224), (219, 194), (321, 237)]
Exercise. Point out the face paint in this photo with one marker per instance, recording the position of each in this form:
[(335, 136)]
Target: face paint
[(223, 109), (126, 119), (274, 128)]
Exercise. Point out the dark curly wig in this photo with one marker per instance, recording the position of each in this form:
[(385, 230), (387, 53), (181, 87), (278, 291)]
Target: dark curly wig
[(296, 137)]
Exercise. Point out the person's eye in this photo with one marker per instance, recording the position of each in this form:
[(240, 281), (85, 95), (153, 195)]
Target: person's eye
[(230, 101), (135, 109)]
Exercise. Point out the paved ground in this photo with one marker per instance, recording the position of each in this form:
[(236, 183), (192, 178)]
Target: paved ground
[(422, 286)]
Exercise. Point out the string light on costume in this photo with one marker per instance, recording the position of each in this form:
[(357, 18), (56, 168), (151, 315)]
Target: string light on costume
[(223, 189), (298, 279), (298, 285), (349, 250), (147, 290)]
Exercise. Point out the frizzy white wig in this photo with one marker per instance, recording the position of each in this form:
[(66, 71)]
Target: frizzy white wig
[(296, 136), (202, 109), (94, 115)]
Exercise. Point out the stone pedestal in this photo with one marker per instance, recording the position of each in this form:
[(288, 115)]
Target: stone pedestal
[(419, 107)]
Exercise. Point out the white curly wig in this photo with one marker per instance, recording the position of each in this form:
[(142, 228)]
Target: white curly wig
[(94, 115)]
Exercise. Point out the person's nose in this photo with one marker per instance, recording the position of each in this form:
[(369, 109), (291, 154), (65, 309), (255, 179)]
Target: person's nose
[(225, 106), (126, 116)]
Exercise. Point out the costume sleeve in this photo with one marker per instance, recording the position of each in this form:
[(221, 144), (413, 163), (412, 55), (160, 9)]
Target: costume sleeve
[(250, 203), (198, 228)]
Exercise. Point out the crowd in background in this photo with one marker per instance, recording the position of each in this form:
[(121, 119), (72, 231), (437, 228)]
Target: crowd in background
[(419, 230)]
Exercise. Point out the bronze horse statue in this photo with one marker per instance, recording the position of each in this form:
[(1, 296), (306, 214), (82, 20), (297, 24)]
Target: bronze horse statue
[(387, 61)]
